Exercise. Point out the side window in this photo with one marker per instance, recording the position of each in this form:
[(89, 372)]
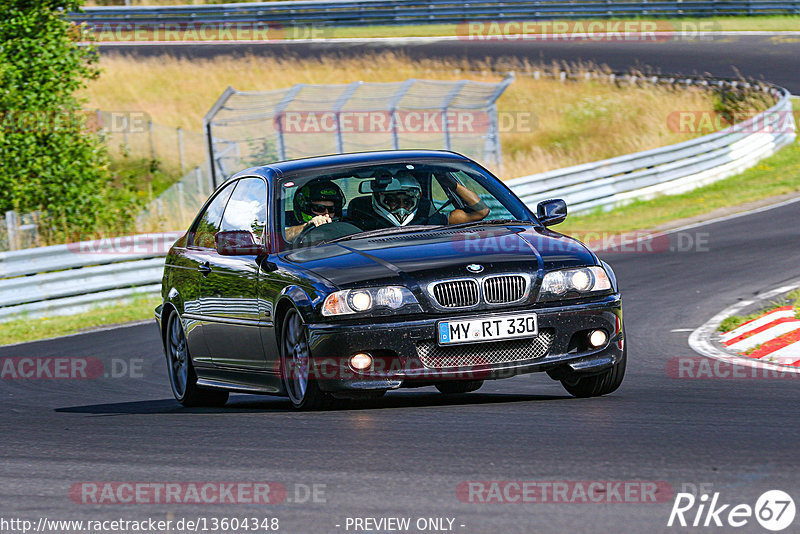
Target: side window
[(438, 196), (208, 224), (497, 210), (247, 208)]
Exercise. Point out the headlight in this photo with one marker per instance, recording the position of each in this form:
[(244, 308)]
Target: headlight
[(576, 281), (361, 300)]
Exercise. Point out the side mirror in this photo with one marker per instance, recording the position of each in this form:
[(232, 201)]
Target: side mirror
[(238, 243), (550, 212)]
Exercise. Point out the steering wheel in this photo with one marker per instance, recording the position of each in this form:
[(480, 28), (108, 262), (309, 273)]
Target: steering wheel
[(443, 206), (311, 235)]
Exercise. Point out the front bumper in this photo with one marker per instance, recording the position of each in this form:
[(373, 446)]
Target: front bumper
[(399, 348)]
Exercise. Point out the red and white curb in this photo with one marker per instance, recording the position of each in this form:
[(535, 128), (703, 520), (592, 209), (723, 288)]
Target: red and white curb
[(775, 336)]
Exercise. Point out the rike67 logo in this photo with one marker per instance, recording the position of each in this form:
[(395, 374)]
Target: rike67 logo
[(774, 510)]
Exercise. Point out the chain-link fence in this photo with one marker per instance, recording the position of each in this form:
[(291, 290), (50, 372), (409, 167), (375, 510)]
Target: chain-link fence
[(131, 134), (20, 230), (256, 128), (175, 208)]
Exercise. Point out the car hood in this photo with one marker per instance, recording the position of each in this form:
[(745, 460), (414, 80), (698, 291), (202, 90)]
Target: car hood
[(421, 257)]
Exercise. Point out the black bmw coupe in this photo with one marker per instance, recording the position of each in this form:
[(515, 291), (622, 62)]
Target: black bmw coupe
[(350, 275)]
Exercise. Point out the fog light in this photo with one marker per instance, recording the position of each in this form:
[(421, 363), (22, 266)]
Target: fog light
[(360, 361), (598, 338)]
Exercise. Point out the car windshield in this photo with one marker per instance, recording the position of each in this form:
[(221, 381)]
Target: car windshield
[(343, 202)]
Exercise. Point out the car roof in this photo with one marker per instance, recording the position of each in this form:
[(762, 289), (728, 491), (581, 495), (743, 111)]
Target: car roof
[(274, 170)]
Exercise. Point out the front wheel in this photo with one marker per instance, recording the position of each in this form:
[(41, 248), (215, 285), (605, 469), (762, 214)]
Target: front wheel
[(600, 384), (296, 366), (182, 377)]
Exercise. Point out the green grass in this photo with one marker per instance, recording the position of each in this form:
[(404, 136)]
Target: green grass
[(777, 175), (765, 23), (30, 329), (689, 25)]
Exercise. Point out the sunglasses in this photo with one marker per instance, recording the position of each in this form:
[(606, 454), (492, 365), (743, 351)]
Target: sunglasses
[(400, 201), (321, 209)]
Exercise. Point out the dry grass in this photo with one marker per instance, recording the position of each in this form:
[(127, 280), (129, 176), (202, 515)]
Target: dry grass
[(576, 121)]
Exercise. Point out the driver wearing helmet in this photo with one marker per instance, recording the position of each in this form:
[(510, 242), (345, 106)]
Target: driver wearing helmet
[(316, 203), (397, 199)]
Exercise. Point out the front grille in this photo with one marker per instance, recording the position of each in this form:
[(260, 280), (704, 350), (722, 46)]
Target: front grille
[(504, 289), (456, 293), (434, 356)]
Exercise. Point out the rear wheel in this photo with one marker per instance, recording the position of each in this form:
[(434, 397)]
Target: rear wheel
[(600, 384), (455, 388), (301, 387), (182, 377)]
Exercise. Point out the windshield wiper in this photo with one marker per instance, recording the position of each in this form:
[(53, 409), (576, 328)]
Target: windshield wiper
[(483, 223), (380, 231)]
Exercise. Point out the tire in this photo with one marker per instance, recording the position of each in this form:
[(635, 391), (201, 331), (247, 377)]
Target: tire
[(302, 390), (456, 388), (182, 377), (600, 384)]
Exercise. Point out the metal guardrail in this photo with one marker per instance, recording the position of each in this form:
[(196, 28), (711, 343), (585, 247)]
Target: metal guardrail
[(63, 279), (674, 168), (70, 278), (356, 12)]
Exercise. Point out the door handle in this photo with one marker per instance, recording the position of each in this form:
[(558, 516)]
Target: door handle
[(204, 268)]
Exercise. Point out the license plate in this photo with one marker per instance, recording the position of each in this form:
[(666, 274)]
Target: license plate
[(487, 329)]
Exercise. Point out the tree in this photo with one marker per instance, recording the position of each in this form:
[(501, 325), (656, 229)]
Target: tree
[(50, 159)]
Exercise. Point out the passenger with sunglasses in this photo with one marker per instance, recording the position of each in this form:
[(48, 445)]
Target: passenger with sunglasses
[(316, 203)]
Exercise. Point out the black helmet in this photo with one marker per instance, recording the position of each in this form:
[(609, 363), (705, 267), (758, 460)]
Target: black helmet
[(314, 191)]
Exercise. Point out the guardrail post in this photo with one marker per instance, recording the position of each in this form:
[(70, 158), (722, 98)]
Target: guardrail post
[(448, 99), (180, 148), (278, 115), (181, 202), (152, 141), (337, 110), (395, 100), (200, 189), (125, 137), (12, 226)]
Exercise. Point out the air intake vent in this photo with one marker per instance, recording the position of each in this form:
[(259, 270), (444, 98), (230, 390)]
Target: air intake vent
[(504, 289), (456, 293), (433, 356)]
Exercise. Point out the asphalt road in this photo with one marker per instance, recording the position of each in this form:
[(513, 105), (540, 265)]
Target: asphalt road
[(763, 57), (405, 455)]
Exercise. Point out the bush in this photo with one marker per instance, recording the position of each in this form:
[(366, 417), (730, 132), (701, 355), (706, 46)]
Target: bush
[(50, 158)]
